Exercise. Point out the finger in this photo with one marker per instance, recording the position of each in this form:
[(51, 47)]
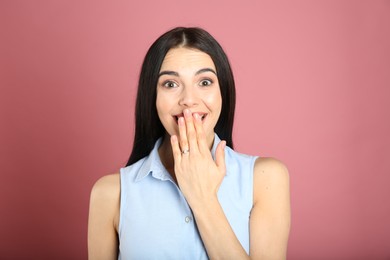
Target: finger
[(191, 134), (175, 148), (200, 135), (183, 135), (220, 157)]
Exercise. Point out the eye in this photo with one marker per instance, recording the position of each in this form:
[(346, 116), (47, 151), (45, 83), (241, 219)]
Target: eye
[(170, 84), (206, 82)]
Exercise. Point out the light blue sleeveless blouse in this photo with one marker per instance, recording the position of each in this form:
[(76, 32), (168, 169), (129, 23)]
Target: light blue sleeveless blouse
[(155, 219)]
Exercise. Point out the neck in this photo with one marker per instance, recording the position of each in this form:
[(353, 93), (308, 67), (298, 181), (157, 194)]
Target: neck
[(166, 155)]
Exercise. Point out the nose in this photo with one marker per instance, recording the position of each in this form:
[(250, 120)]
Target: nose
[(189, 97)]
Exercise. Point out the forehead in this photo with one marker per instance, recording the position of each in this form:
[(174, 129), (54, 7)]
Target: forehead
[(184, 58)]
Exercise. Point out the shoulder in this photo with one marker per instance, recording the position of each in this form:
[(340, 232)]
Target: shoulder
[(103, 220), (106, 187), (267, 167), (105, 197), (270, 177)]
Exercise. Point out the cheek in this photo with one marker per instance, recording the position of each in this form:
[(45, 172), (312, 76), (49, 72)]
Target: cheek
[(215, 100), (163, 106), (160, 109), (159, 104)]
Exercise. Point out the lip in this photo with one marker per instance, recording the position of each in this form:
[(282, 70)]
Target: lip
[(201, 114)]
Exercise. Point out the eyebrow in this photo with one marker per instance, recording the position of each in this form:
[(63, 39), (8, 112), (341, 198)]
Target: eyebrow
[(174, 73), (205, 70)]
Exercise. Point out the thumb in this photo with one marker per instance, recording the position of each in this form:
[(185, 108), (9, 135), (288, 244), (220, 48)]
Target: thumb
[(220, 157)]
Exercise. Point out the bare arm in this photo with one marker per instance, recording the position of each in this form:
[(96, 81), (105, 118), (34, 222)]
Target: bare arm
[(270, 216), (104, 218)]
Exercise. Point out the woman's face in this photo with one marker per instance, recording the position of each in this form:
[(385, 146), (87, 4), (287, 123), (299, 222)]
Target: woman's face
[(188, 79)]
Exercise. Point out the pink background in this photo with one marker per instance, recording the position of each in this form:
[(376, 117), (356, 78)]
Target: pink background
[(313, 80)]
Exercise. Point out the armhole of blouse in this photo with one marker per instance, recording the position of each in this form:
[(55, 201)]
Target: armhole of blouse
[(252, 179), (121, 201)]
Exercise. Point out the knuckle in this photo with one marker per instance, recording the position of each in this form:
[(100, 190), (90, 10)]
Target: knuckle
[(190, 133), (183, 143)]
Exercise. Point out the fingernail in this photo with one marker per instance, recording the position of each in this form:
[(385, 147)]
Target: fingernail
[(181, 120), (196, 116), (223, 144), (187, 112)]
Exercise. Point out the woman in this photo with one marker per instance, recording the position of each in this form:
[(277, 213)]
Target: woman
[(185, 194)]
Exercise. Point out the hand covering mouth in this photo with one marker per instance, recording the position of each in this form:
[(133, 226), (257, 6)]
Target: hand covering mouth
[(202, 116)]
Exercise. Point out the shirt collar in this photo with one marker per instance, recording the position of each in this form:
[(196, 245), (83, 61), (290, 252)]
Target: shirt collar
[(153, 165)]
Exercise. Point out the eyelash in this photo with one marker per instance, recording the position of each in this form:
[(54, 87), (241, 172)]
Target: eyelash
[(167, 83), (209, 82)]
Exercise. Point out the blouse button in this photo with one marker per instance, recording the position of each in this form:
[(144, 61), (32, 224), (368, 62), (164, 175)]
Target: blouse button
[(188, 219)]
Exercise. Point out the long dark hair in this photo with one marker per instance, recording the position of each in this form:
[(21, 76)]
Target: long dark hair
[(148, 127)]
